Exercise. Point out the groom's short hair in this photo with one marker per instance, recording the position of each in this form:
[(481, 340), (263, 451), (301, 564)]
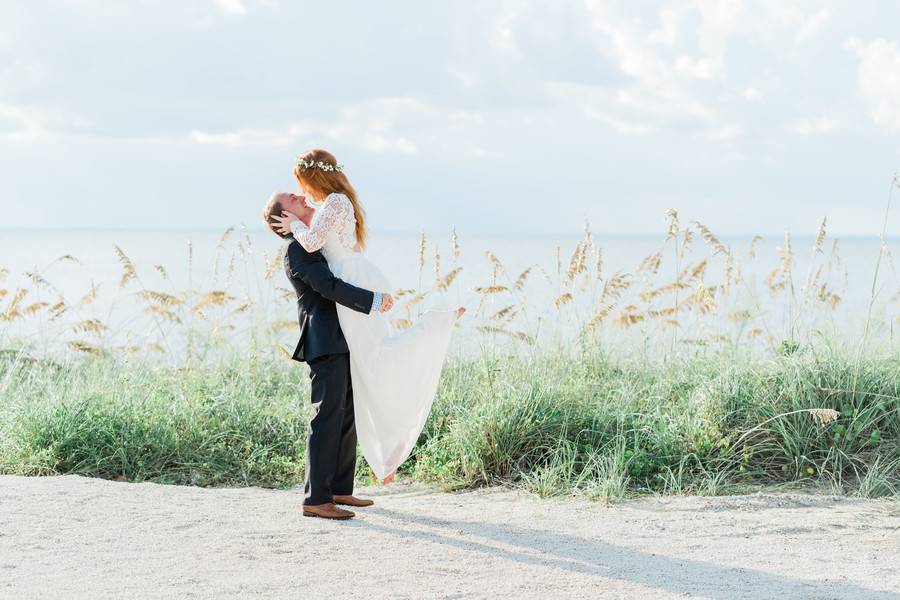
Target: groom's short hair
[(273, 209)]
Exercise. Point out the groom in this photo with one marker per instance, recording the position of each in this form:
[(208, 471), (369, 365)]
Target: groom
[(331, 446)]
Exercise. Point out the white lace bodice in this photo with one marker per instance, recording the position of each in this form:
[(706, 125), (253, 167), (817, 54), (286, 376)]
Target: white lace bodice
[(332, 229)]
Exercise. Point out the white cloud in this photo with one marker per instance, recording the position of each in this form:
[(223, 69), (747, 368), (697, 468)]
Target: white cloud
[(811, 24), (393, 125), (29, 124), (232, 7), (817, 126), (879, 79), (751, 94), (657, 86), (727, 132), (698, 68), (17, 123)]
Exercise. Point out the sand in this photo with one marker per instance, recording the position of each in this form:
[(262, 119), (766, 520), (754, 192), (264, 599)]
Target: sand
[(74, 537)]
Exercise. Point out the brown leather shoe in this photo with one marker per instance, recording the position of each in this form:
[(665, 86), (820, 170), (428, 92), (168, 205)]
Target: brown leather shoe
[(352, 501), (327, 510)]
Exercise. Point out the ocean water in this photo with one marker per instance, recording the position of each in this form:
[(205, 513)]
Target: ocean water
[(174, 262)]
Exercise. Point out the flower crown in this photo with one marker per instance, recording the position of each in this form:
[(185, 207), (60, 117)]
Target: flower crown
[(324, 166)]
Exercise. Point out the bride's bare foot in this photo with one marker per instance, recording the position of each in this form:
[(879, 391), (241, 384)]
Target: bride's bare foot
[(389, 478)]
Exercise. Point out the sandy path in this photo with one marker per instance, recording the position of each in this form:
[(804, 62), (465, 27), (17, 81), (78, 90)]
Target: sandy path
[(72, 537)]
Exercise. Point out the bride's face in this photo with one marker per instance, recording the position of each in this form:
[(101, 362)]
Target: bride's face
[(308, 192)]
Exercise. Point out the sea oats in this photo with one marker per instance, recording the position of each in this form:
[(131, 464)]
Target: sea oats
[(285, 293), (627, 319), (3, 293), (162, 271), (686, 241), (58, 309), (648, 295), (35, 307), (406, 292), (774, 286), (492, 289), (820, 237), (91, 295), (225, 236), (558, 263), (576, 263), (401, 323), (673, 227), (650, 263), (160, 298), (710, 238), (505, 313), (422, 243), (823, 416), (786, 254), (599, 316), (213, 298), (563, 299), (447, 280), (281, 325), (282, 351), (493, 258), (90, 326), (833, 256), (37, 279), (662, 312), (12, 310), (414, 300), (3, 273), (740, 315), (437, 268), (699, 270), (277, 261), (242, 307), (598, 266), (523, 276), (85, 347), (454, 242), (751, 252), (703, 299), (515, 334), (128, 270), (163, 312)]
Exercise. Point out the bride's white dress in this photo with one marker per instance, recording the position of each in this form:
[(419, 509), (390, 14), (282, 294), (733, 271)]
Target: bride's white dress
[(394, 372)]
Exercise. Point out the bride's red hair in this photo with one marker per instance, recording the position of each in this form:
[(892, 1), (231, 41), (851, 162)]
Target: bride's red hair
[(327, 182)]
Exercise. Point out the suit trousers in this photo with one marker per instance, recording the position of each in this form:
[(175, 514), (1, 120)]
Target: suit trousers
[(331, 445)]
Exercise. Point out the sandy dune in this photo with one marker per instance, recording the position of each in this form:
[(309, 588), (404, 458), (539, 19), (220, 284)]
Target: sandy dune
[(72, 537)]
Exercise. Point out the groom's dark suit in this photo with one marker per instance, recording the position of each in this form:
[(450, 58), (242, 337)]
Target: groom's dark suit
[(331, 446)]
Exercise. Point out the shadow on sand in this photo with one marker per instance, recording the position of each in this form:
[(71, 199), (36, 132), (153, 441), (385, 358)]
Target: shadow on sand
[(596, 558)]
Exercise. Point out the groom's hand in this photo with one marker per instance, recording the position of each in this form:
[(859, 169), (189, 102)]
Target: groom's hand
[(387, 302)]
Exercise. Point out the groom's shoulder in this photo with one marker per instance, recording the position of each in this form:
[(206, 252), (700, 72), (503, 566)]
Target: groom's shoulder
[(293, 248)]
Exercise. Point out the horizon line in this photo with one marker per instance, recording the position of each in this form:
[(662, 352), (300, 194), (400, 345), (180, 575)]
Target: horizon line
[(408, 232)]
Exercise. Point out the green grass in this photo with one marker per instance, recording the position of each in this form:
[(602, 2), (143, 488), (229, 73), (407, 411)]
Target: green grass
[(553, 424)]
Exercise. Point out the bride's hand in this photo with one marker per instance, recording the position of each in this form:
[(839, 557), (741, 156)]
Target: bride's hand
[(284, 221), (387, 302)]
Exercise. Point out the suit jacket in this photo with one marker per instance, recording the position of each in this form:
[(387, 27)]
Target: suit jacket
[(317, 290)]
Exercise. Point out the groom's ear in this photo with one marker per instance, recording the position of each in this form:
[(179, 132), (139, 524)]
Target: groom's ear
[(273, 209)]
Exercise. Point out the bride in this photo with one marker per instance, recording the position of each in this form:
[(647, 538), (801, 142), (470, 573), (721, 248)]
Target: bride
[(395, 373)]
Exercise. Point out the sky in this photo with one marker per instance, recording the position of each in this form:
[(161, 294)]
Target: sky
[(517, 118)]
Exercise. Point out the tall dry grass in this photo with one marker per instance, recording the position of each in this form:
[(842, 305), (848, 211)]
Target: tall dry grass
[(738, 380)]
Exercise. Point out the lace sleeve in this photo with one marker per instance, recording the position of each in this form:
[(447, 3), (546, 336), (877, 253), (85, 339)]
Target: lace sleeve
[(330, 217)]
